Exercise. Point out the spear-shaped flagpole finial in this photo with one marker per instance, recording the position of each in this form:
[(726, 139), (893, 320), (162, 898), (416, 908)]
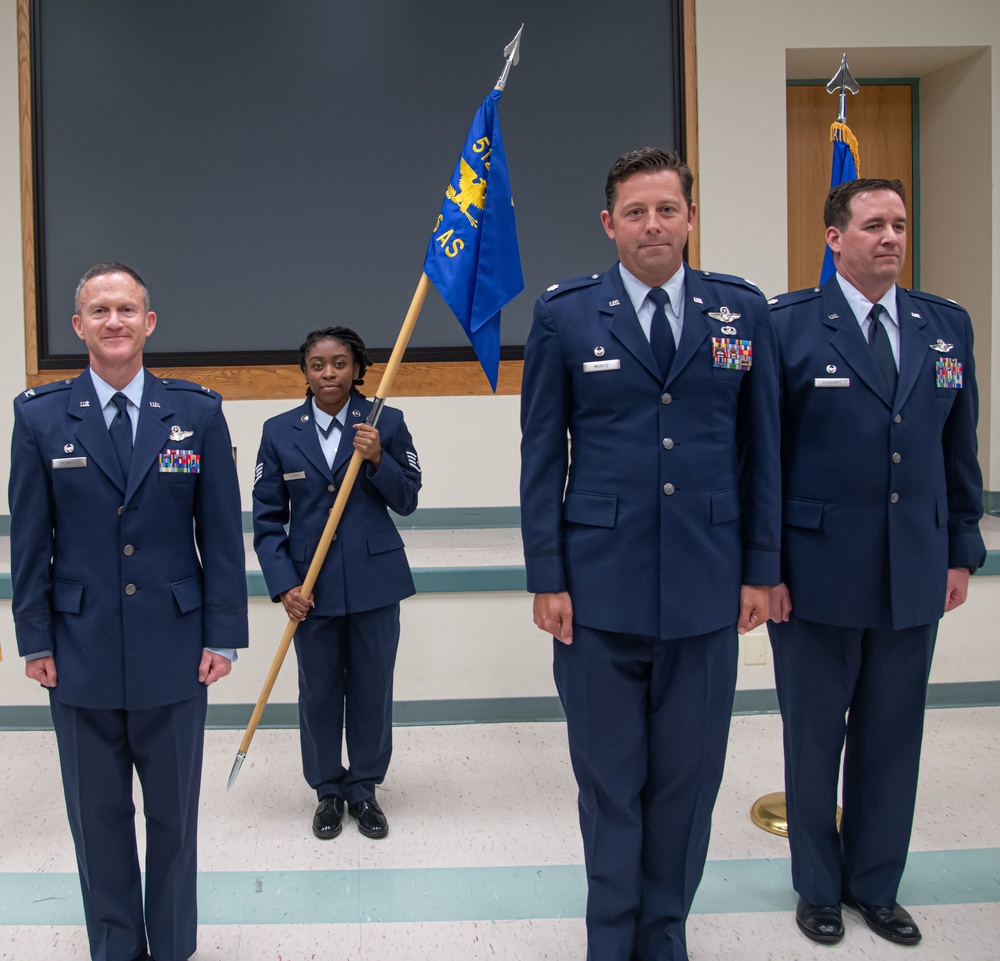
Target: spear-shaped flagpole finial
[(513, 53), (841, 82)]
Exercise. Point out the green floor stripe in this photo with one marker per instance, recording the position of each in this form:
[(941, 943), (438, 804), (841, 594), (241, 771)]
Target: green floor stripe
[(483, 893)]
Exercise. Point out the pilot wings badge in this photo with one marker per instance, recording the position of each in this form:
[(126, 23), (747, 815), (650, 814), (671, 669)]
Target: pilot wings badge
[(724, 315), (177, 434)]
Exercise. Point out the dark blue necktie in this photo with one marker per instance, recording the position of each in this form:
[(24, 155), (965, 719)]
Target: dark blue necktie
[(121, 432), (325, 431), (661, 337), (878, 340)]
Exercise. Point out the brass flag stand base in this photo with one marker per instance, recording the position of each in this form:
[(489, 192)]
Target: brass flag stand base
[(770, 814)]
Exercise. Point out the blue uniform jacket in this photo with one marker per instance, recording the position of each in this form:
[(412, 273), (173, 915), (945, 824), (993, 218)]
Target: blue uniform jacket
[(125, 586), (881, 495), (672, 499), (366, 565)]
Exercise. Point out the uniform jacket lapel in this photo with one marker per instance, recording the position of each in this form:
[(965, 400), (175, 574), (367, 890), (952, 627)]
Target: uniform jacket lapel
[(307, 440), (152, 431), (616, 306), (913, 344), (91, 431), (847, 339), (698, 301)]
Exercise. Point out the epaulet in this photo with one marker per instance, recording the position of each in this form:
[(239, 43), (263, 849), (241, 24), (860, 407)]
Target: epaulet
[(934, 299), (575, 284), (32, 392), (795, 297), (172, 384), (730, 279)]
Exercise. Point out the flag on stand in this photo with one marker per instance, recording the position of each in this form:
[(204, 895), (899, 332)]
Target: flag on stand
[(846, 163), (473, 257)]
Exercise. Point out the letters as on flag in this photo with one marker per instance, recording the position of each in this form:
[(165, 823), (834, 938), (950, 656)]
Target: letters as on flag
[(846, 163), (473, 257)]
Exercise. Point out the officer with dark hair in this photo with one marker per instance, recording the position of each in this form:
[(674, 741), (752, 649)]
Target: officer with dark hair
[(649, 541), (882, 496)]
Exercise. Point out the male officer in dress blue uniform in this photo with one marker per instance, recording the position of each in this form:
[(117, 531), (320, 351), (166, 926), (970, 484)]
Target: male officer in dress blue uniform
[(127, 562), (649, 541), (882, 496)]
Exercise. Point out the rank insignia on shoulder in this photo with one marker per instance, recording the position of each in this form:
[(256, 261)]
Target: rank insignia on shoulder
[(773, 300), (177, 434), (948, 372), (724, 315), (941, 346), (180, 462), (30, 392), (550, 289)]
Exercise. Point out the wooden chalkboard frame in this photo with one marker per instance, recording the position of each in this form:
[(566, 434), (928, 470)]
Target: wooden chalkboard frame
[(248, 381)]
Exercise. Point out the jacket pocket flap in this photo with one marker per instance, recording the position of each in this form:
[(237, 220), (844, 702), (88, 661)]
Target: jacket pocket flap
[(802, 513), (725, 506), (189, 594), (382, 541), (597, 510), (67, 597)]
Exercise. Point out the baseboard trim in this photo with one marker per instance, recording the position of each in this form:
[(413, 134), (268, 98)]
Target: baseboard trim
[(492, 710)]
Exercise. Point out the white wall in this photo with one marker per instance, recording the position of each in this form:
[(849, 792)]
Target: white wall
[(485, 645), (741, 113)]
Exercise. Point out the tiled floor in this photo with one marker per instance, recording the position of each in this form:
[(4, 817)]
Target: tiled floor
[(483, 860)]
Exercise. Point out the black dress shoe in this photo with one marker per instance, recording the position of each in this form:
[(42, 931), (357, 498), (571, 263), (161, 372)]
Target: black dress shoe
[(371, 820), (820, 922), (327, 821), (893, 924)]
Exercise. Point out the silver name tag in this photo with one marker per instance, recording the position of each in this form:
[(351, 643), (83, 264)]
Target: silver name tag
[(832, 382), (61, 463), (591, 366), (295, 475)]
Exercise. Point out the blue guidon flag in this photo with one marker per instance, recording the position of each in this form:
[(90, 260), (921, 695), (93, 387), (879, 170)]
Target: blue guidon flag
[(473, 257), (845, 166)]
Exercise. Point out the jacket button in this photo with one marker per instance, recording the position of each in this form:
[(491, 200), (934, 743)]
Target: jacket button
[(893, 497), (896, 458), (668, 443), (668, 488), (130, 589), (331, 488), (665, 398), (121, 510), (128, 550), (898, 419)]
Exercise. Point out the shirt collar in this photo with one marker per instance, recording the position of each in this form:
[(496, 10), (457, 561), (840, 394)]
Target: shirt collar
[(132, 390), (323, 418), (861, 305), (637, 290)]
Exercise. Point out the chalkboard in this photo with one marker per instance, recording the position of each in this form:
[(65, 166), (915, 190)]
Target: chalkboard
[(270, 168)]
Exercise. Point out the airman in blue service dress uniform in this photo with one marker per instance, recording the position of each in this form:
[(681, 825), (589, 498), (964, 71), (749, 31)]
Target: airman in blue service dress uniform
[(882, 496), (348, 633), (126, 569), (648, 542)]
